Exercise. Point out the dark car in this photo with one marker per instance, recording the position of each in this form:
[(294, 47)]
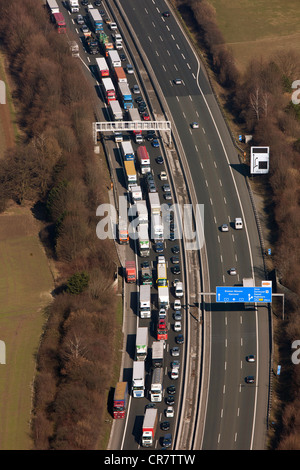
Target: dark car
[(171, 390), (166, 14), (167, 440), (165, 426), (122, 57), (97, 3), (159, 247), (176, 270), (170, 400), (159, 159), (84, 3), (179, 339), (175, 260), (176, 249), (250, 379)]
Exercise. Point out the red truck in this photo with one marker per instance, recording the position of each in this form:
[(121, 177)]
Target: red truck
[(120, 400), (130, 271)]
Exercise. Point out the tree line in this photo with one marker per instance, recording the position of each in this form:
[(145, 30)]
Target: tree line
[(53, 166), (260, 100)]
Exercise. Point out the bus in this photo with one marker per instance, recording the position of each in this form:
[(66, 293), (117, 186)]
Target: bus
[(109, 89), (60, 23), (96, 20), (102, 67)]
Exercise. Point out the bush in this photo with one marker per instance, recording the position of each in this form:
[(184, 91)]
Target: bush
[(77, 283)]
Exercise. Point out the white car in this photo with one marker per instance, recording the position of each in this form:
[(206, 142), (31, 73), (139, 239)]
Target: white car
[(177, 304), (169, 412), (175, 351), (178, 81), (113, 26), (163, 175), (224, 228), (232, 272), (177, 326), (195, 125), (174, 374)]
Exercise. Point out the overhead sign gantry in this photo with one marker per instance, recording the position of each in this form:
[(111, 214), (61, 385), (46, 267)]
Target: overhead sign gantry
[(121, 126)]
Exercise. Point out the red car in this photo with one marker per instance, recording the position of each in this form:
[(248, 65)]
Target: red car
[(146, 117)]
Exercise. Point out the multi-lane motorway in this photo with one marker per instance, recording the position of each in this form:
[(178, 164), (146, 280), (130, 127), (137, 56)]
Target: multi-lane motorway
[(234, 412)]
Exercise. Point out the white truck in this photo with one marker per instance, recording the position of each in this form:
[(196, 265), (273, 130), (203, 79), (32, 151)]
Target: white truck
[(74, 6), (143, 240), (163, 297), (157, 353), (141, 344), (145, 301), (115, 110), (154, 203), (114, 58), (138, 379), (142, 212), (156, 392), (136, 194), (149, 427), (157, 228)]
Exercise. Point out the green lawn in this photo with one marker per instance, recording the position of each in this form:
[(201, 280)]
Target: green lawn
[(258, 27), (25, 286)]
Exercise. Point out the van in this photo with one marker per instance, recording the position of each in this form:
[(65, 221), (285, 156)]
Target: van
[(238, 223), (178, 290)]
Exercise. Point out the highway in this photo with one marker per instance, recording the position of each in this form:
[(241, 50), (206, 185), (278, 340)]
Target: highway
[(235, 412)]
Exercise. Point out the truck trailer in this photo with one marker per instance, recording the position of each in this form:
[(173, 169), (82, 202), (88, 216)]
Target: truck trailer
[(138, 379), (149, 427), (156, 392), (141, 342), (157, 354), (145, 301), (143, 240)]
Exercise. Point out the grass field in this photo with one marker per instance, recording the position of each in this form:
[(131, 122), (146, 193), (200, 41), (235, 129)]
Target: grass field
[(25, 286), (258, 28)]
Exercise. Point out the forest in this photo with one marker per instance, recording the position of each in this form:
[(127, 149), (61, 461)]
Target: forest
[(54, 168)]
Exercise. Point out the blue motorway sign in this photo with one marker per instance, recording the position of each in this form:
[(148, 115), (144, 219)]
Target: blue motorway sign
[(243, 294)]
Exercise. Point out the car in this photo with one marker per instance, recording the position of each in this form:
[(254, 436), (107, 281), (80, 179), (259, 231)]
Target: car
[(177, 81), (175, 249), (142, 103), (179, 339), (176, 270), (122, 57), (84, 3), (224, 228), (159, 247), (169, 217), (140, 99), (172, 227), (152, 188), (158, 159), (142, 109), (177, 304), (165, 425), (166, 14), (169, 412), (171, 390), (113, 26), (166, 187), (249, 379), (129, 68), (195, 125), (86, 31), (162, 313), (175, 282), (172, 237), (150, 405), (167, 196), (136, 89), (232, 272), (177, 326), (177, 316), (163, 176), (175, 260), (155, 143), (175, 364), (151, 136), (170, 400), (175, 352), (80, 19), (145, 117), (174, 374), (167, 441), (145, 264), (250, 358), (97, 3)]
